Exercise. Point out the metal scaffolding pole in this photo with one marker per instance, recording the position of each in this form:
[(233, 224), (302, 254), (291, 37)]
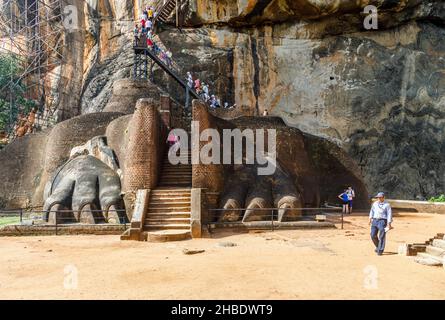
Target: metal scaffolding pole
[(35, 31)]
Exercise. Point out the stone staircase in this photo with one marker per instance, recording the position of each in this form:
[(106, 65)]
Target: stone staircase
[(431, 253), (169, 212), (179, 175)]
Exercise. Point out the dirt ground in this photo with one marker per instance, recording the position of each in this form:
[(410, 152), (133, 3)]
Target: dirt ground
[(297, 264)]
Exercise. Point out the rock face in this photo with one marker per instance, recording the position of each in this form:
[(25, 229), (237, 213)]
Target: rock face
[(378, 94)]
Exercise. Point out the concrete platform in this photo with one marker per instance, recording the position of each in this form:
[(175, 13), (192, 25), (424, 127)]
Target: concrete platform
[(168, 235), (267, 225), (66, 229)]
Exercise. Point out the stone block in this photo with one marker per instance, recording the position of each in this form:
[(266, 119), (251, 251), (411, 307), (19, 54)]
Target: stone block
[(196, 212)]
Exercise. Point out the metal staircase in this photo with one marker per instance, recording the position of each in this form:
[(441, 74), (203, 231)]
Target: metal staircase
[(164, 9), (142, 68), (168, 70)]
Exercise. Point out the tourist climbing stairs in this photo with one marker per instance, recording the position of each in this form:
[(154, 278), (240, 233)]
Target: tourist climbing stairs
[(169, 210), (431, 253), (164, 10)]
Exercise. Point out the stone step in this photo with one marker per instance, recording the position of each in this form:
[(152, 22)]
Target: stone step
[(173, 178), (167, 160), (170, 194), (428, 259), (176, 182), (173, 203), (168, 235), (168, 210), (170, 198), (177, 171), (435, 251), (184, 154), (182, 162), (439, 243), (177, 174), (167, 226), (170, 190), (179, 168), (184, 214), (163, 221)]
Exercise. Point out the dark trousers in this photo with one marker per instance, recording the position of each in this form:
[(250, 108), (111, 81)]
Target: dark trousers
[(378, 234)]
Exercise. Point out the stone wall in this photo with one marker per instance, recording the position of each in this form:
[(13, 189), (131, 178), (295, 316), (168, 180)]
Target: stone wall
[(211, 176), (21, 173), (126, 92), (146, 144), (29, 162)]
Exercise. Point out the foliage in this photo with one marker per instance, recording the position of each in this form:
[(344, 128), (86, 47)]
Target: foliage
[(440, 198), (12, 91), (4, 221)]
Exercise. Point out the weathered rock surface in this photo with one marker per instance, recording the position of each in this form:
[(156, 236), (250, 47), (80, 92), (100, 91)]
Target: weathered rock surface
[(379, 94), (29, 162)]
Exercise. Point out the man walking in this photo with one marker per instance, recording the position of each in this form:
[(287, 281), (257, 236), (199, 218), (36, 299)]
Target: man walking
[(380, 219)]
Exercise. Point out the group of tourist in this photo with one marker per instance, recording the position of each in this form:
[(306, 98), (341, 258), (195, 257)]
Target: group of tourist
[(144, 36), (347, 197), (203, 90)]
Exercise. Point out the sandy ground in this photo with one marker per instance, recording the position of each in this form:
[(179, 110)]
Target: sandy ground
[(297, 264)]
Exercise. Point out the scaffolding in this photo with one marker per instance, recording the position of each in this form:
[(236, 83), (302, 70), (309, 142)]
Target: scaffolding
[(32, 33)]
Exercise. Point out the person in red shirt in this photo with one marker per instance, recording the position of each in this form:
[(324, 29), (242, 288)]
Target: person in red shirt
[(198, 86)]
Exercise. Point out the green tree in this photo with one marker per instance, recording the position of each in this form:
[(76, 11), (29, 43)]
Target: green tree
[(440, 198), (12, 91)]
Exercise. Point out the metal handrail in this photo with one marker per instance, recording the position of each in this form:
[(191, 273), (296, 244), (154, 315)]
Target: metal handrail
[(274, 214), (173, 74)]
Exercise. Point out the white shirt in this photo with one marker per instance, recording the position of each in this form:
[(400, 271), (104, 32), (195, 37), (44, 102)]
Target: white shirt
[(351, 194), (381, 210)]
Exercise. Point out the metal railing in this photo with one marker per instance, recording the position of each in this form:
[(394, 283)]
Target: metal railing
[(58, 218), (269, 216)]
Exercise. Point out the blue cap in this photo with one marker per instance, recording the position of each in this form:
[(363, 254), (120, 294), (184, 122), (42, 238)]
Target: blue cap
[(380, 195)]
